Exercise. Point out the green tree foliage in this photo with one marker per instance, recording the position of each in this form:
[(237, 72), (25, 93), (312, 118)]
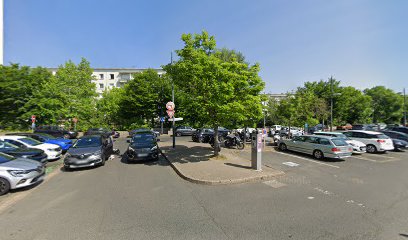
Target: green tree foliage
[(18, 85), (387, 105), (143, 97), (352, 106), (225, 92), (68, 94), (109, 107)]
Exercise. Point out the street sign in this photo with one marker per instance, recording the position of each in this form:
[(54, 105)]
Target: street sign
[(175, 119), (162, 119), (264, 131), (170, 113), (170, 106), (33, 118)]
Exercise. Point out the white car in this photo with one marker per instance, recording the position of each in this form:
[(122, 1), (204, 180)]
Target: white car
[(358, 147), (53, 151), (375, 141)]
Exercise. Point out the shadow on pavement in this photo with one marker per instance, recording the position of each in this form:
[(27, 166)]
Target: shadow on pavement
[(403, 235), (149, 162), (237, 165), (184, 154)]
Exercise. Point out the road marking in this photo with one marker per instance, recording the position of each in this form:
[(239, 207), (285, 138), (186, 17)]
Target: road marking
[(366, 159), (274, 184), (290, 164), (378, 161), (310, 198), (383, 156), (326, 164)]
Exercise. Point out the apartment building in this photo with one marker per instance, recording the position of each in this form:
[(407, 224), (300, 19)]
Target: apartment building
[(108, 78)]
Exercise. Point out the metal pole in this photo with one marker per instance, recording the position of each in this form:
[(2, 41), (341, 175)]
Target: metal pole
[(405, 111), (331, 104), (174, 133), (172, 96)]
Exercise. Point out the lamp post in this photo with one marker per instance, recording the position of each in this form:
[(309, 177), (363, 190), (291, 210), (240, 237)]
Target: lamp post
[(405, 110), (331, 102)]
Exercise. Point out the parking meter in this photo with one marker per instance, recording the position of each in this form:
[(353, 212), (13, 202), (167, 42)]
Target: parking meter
[(256, 150)]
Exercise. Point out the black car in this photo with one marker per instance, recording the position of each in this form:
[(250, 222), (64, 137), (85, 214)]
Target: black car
[(88, 151), (31, 153), (184, 131), (396, 135), (399, 144), (56, 131), (143, 146), (398, 129), (202, 134), (134, 131), (97, 131)]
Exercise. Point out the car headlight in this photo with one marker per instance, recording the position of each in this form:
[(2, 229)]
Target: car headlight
[(18, 173), (154, 148), (131, 149)]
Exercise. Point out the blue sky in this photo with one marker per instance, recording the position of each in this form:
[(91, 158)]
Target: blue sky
[(362, 43)]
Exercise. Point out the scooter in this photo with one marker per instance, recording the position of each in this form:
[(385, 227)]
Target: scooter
[(233, 141)]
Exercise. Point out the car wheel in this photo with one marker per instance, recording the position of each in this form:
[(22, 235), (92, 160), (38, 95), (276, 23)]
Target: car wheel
[(371, 148), (66, 136), (67, 169), (4, 186), (178, 134), (318, 154), (240, 145), (283, 147)]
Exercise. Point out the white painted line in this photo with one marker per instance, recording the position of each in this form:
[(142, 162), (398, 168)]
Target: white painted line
[(378, 155), (310, 198), (366, 159), (326, 164), (290, 164)]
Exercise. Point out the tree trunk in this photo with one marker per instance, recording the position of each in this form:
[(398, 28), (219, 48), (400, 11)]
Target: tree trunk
[(216, 143)]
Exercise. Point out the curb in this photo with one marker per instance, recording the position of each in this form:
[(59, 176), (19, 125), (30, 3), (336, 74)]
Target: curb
[(220, 182)]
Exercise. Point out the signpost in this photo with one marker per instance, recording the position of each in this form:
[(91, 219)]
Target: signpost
[(170, 106), (33, 122), (75, 120)]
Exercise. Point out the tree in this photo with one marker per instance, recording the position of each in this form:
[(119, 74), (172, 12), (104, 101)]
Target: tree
[(18, 85), (143, 95), (109, 107), (353, 106), (387, 105), (223, 91)]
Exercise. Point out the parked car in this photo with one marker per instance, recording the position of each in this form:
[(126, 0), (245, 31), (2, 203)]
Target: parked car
[(375, 141), (19, 172), (89, 151), (399, 144), (318, 146), (143, 146), (65, 144), (184, 131), (398, 129), (15, 151), (201, 134), (56, 131), (396, 135), (53, 151), (358, 147), (97, 131), (134, 131)]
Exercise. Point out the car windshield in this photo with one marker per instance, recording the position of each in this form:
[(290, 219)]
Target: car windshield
[(88, 142), (7, 146), (30, 141), (143, 138), (5, 158), (47, 136), (339, 142)]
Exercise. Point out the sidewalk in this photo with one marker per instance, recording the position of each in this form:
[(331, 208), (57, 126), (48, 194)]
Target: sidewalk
[(195, 163)]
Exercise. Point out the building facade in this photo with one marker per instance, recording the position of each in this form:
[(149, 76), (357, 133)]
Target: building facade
[(108, 78)]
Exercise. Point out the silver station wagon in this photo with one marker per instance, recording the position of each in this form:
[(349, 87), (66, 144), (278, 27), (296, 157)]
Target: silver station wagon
[(318, 146)]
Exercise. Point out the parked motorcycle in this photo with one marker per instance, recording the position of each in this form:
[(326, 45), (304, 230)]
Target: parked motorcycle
[(211, 142), (233, 141)]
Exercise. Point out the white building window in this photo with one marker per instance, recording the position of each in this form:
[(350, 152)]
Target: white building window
[(101, 85), (100, 76), (112, 76)]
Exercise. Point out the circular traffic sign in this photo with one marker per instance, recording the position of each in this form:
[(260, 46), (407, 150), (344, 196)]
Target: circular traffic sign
[(170, 106)]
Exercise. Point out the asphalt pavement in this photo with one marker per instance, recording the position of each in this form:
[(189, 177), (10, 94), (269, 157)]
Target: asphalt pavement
[(363, 197)]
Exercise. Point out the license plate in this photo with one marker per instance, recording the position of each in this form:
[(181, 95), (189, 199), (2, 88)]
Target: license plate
[(142, 155)]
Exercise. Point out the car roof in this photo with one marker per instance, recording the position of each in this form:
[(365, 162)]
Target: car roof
[(12, 137), (145, 132), (333, 133), (92, 136), (320, 136), (364, 131)]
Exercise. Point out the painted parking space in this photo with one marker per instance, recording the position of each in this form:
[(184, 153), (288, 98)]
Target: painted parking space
[(382, 157)]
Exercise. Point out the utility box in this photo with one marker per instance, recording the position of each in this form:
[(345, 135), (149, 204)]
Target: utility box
[(256, 151)]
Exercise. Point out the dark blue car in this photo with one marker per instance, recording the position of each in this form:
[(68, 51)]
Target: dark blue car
[(65, 144)]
